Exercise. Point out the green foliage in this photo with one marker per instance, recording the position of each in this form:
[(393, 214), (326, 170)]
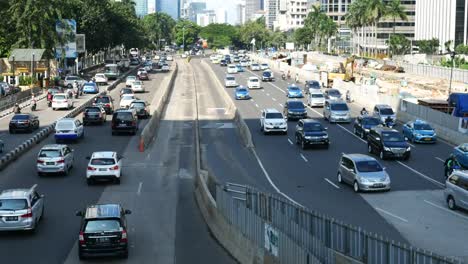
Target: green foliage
[(458, 63), (429, 46), (159, 26), (25, 80), (317, 27), (395, 10), (220, 35), (277, 39), (399, 44), (190, 29), (462, 49), (254, 29)]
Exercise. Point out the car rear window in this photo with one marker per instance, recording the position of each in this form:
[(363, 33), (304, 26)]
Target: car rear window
[(13, 204), (72, 78), (422, 127), (137, 82), (102, 161), (313, 127), (334, 92), (230, 78), (65, 125), (371, 121), (20, 117), (102, 225), (274, 115), (124, 116), (128, 97), (267, 74), (296, 104), (131, 78), (339, 107), (386, 111), (368, 166), (90, 85), (102, 100), (92, 110), (242, 90), (50, 153), (294, 88), (59, 97), (392, 137), (253, 80), (316, 95)]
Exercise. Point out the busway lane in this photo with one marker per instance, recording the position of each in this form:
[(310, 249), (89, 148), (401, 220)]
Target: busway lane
[(64, 195)]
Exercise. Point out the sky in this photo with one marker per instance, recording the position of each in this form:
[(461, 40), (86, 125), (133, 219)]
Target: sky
[(229, 5)]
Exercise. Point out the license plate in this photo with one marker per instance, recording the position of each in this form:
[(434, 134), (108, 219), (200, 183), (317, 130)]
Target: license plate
[(276, 127), (50, 163), (122, 125), (11, 218), (102, 169), (427, 139), (398, 154), (103, 240), (378, 185)]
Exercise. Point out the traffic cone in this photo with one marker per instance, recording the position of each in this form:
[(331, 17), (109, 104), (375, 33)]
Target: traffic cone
[(142, 145)]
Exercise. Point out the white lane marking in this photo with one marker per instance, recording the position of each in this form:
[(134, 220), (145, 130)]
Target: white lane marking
[(447, 210), (251, 99), (256, 105), (332, 184), (268, 94), (304, 158), (440, 184), (413, 146), (281, 105), (290, 142), (139, 188), (262, 90), (273, 99), (437, 158), (271, 182), (393, 215)]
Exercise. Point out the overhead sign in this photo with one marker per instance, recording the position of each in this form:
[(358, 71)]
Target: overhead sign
[(80, 43), (66, 31), (271, 240)]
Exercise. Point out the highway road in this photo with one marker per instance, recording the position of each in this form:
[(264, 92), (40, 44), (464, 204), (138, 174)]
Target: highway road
[(413, 211)]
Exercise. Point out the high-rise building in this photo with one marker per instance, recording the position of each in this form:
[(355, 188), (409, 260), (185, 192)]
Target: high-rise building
[(151, 6), (206, 18), (442, 19), (170, 7), (184, 4), (195, 8), (275, 11), (240, 13), (141, 7), (285, 15), (221, 16), (251, 7)]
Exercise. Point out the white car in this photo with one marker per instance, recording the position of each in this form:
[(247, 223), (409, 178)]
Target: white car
[(165, 67), (126, 100), (273, 120), (213, 57), (253, 83), (255, 67), (315, 98), (130, 79), (169, 58), (264, 66), (104, 165), (230, 81), (156, 57), (141, 70), (183, 55), (244, 63), (62, 101), (231, 68), (100, 78), (68, 129), (137, 86)]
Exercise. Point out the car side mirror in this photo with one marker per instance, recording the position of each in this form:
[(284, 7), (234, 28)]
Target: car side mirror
[(42, 196), (377, 138), (79, 213), (127, 211), (384, 168), (326, 128), (88, 158), (406, 138)]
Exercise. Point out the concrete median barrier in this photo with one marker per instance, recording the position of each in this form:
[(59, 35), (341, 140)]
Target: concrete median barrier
[(156, 108)]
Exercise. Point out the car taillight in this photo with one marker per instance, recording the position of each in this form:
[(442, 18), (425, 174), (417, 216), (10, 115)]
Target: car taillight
[(107, 105), (81, 238), (61, 161), (91, 168), (28, 214), (124, 239), (116, 167), (40, 161), (133, 123)]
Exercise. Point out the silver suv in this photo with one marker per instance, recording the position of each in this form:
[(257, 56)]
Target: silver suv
[(54, 159), (363, 172), (456, 190), (336, 111), (20, 209)]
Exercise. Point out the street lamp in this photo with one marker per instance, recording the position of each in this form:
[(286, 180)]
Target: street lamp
[(452, 55), (14, 74), (32, 69)]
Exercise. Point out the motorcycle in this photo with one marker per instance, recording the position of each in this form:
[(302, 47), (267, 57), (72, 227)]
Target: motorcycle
[(449, 171), (389, 123), (283, 77), (33, 106)]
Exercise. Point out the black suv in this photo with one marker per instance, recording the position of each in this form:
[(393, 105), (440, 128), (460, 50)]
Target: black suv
[(103, 231), (105, 101), (388, 143), (124, 120), (311, 132), (294, 109), (23, 122), (363, 124), (94, 114)]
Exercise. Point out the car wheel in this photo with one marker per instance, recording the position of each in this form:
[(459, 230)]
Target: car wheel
[(340, 180), (66, 171), (53, 109), (355, 131), (369, 148), (356, 187), (362, 134), (382, 155), (451, 203), (80, 255), (303, 144), (89, 181), (12, 131)]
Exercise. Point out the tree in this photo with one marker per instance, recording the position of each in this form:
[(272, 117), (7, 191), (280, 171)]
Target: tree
[(220, 35), (448, 46), (277, 39), (254, 30), (375, 11), (399, 44), (158, 26), (188, 29), (395, 10), (428, 46)]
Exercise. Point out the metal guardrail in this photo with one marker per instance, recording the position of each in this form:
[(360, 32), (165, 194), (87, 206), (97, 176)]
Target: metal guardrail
[(293, 234)]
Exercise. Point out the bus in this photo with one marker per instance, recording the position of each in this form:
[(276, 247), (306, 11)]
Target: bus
[(112, 71)]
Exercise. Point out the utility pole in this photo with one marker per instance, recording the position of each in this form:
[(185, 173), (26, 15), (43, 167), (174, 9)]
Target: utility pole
[(452, 55)]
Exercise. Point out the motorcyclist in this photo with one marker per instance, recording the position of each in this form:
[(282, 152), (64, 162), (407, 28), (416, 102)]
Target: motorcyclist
[(364, 111), (70, 92), (296, 79), (283, 76), (17, 109), (49, 98), (33, 103), (289, 74), (75, 89), (388, 121), (348, 96), (450, 164)]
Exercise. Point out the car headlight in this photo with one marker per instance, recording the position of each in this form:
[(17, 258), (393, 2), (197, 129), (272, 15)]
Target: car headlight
[(325, 136), (408, 149), (417, 135), (308, 137), (387, 179), (364, 180), (387, 149), (367, 130), (434, 134)]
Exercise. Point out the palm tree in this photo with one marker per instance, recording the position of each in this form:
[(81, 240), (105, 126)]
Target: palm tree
[(357, 18), (312, 21), (396, 10), (376, 10)]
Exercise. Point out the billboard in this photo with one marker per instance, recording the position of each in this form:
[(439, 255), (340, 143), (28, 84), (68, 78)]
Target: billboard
[(290, 45), (80, 43), (66, 31)]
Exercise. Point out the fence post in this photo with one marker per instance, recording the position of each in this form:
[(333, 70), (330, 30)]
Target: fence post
[(346, 239), (365, 250)]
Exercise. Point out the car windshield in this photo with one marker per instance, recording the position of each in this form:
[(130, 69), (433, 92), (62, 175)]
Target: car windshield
[(386, 111), (124, 116), (102, 161), (65, 125), (316, 95), (126, 90), (13, 204), (138, 105), (50, 153), (313, 127), (230, 78), (137, 83), (254, 64), (90, 85), (267, 74), (59, 97), (100, 225), (20, 117), (339, 107), (371, 121), (128, 97), (92, 110), (296, 105), (294, 88), (274, 116), (368, 166), (242, 90), (334, 92), (131, 78), (422, 127), (72, 78), (102, 100), (392, 137), (253, 80)]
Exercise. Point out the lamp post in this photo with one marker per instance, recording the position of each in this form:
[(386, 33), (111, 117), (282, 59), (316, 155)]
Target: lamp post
[(14, 73), (32, 69), (452, 55)]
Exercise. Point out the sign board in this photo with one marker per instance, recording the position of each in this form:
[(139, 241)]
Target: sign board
[(66, 31), (271, 240), (80, 43), (290, 45)]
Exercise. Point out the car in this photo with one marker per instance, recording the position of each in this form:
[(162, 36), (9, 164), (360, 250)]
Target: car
[(68, 129), (5, 88), (253, 83), (62, 101), (236, 59), (294, 109), (223, 63), (141, 108), (50, 94), (244, 63), (134, 61), (142, 76), (54, 158), (169, 58), (311, 132), (103, 231), (165, 67), (21, 209), (271, 120), (336, 111), (23, 122), (387, 143), (456, 190), (183, 55), (383, 111), (104, 165), (264, 66), (90, 88), (255, 67), (125, 91), (311, 85), (293, 91), (363, 172), (239, 68), (124, 120), (106, 102), (363, 124), (140, 70), (230, 81), (419, 131), (216, 60), (100, 78), (315, 98), (461, 154), (242, 93), (231, 69), (137, 86), (148, 66), (70, 79), (94, 114), (268, 76), (332, 94), (126, 100), (129, 80)]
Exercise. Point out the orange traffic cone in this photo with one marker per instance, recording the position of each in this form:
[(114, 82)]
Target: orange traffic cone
[(142, 145)]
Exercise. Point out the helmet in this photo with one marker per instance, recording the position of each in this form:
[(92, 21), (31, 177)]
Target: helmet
[(16, 104)]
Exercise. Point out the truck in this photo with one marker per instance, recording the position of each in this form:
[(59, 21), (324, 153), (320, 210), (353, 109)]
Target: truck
[(112, 71), (460, 103)]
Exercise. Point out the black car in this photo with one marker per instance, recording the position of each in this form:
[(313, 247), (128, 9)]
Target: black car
[(124, 120), (294, 109), (387, 143), (311, 85), (23, 122), (94, 114), (105, 101), (363, 124), (311, 132), (223, 63), (141, 108), (103, 231)]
